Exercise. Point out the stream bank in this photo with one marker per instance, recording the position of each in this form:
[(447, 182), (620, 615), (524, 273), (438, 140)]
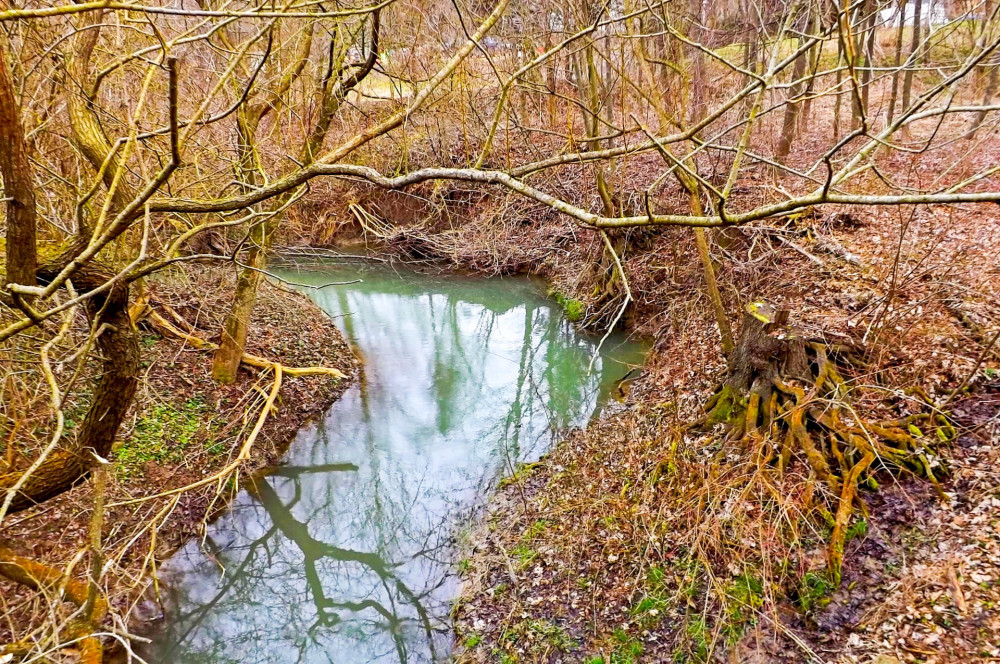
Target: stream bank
[(183, 427), (639, 540)]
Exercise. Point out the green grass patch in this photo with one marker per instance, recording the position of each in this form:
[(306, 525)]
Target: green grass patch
[(551, 635), (628, 650), (522, 472), (524, 556), (814, 591), (161, 436), (534, 530)]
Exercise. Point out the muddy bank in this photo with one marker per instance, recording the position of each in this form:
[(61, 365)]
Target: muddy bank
[(640, 540), (182, 428)]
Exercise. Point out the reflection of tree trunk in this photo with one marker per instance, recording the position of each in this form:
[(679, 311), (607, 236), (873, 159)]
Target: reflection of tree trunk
[(511, 445), (313, 550)]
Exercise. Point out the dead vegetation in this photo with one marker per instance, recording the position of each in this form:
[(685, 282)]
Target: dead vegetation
[(185, 429), (829, 164)]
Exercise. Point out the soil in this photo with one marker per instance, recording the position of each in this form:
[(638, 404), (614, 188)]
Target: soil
[(183, 426), (640, 540)]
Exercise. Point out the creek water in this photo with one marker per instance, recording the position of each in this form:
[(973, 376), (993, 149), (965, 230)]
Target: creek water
[(346, 553)]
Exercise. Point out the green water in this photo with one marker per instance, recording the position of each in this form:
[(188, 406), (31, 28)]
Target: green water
[(346, 553)]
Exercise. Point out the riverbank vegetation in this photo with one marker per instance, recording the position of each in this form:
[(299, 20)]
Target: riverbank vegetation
[(796, 202)]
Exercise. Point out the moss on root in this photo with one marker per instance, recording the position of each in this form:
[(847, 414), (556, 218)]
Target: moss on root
[(788, 395)]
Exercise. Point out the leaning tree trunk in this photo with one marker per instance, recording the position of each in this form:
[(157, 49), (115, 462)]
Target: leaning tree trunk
[(119, 350), (226, 361)]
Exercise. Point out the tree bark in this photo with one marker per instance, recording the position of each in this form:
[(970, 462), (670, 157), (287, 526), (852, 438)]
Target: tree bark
[(912, 59), (119, 350), (335, 86), (791, 109), (899, 54), (21, 257)]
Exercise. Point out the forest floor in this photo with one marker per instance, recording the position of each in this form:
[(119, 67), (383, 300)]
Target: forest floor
[(642, 540), (183, 428)]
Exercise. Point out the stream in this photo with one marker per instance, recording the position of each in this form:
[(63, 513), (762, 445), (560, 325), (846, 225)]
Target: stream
[(347, 552)]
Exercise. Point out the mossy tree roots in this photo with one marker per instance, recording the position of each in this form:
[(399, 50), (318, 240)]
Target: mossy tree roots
[(786, 391)]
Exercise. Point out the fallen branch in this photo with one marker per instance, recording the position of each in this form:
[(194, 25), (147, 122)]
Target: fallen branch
[(45, 578), (166, 326)]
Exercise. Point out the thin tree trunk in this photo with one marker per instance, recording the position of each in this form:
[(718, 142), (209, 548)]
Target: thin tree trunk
[(991, 80), (899, 55), (708, 270), (21, 258), (866, 72), (235, 329), (839, 100), (912, 60), (988, 93), (792, 108), (814, 57)]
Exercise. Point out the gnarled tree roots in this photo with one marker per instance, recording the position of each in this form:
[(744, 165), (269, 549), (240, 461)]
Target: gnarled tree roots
[(787, 393)]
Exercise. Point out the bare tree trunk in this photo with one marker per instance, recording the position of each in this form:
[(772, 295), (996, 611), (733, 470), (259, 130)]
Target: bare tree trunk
[(862, 60), (988, 93), (791, 108), (839, 100), (896, 61), (991, 79), (814, 58), (912, 60), (21, 258), (869, 52)]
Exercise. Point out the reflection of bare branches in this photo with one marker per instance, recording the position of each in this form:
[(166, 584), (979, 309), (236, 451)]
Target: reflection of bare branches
[(361, 543), (312, 549)]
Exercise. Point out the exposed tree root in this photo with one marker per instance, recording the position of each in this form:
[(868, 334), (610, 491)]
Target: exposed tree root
[(787, 393), (92, 605), (143, 309)]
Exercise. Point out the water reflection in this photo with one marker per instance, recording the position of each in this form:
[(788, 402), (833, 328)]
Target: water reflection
[(343, 554)]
